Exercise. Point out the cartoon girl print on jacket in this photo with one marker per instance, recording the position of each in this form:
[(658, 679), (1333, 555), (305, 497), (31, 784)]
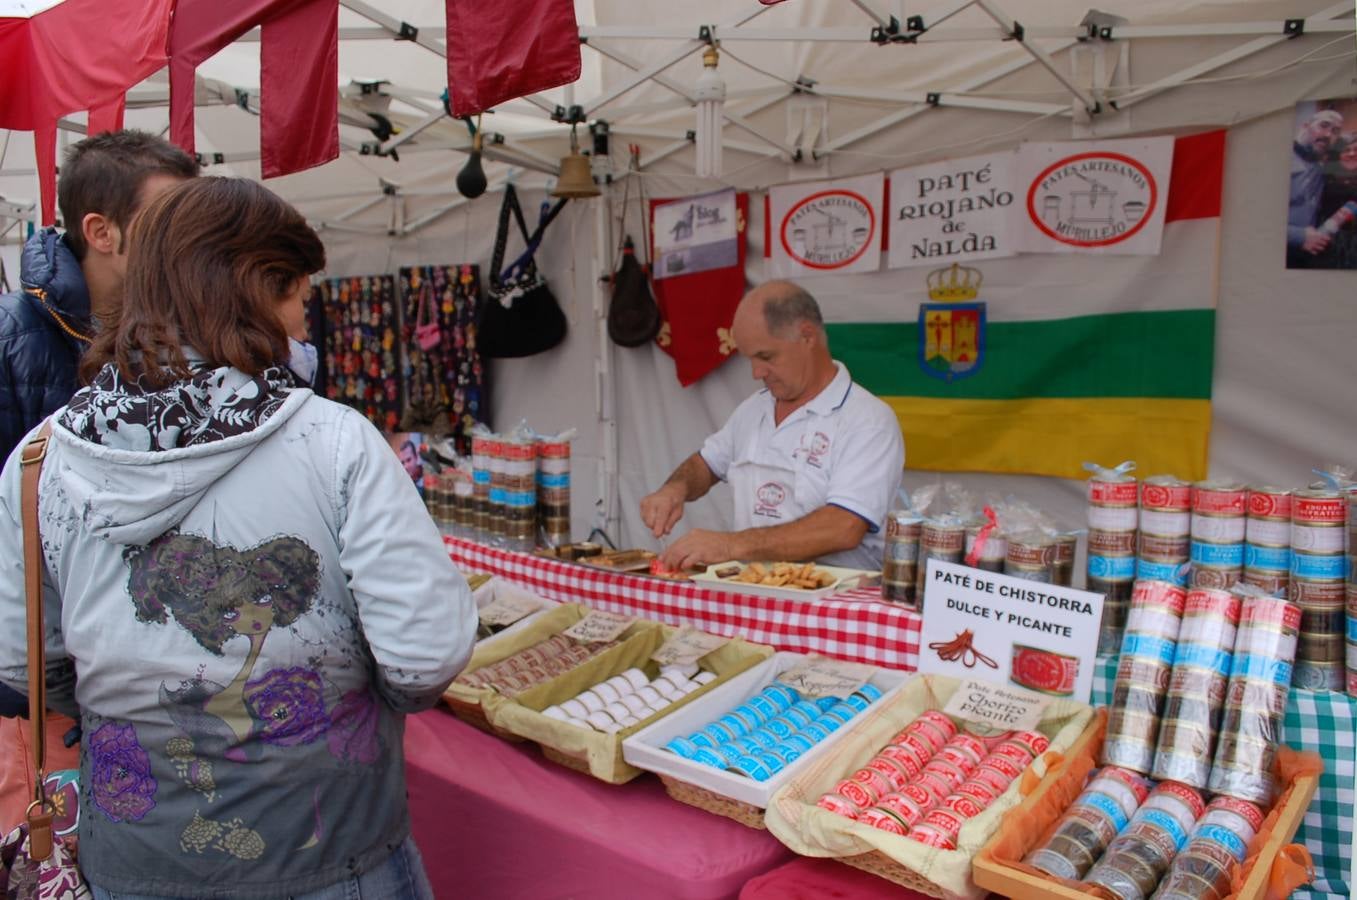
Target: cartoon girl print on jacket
[(219, 595)]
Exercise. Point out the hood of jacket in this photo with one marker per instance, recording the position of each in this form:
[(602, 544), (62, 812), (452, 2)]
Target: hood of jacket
[(135, 461), (48, 265)]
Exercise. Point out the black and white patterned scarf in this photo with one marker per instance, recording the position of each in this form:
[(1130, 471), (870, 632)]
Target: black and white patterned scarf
[(211, 405)]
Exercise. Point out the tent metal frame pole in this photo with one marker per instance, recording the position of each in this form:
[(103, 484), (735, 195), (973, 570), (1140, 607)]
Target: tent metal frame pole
[(412, 131), (944, 98), (360, 208), (394, 28), (664, 62), (1000, 71), (1016, 30), (876, 15), (734, 119), (1220, 60)]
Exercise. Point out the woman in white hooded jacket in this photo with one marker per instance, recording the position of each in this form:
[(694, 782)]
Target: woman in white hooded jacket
[(244, 593)]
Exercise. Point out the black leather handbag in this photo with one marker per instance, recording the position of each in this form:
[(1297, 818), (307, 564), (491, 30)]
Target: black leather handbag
[(520, 316)]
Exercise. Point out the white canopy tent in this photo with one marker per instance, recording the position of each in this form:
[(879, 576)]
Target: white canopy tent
[(815, 88)]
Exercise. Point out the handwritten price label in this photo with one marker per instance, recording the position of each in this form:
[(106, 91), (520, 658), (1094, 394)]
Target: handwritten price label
[(598, 627), (817, 676), (687, 646), (507, 609), (998, 708)]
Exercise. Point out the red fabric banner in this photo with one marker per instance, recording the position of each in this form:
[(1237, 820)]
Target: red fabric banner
[(77, 55), (499, 51), (697, 310), (299, 74)]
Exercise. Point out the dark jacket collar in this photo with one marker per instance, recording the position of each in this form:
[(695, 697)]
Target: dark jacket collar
[(49, 265)]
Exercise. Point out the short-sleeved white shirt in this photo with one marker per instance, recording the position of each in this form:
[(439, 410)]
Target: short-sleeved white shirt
[(843, 448)]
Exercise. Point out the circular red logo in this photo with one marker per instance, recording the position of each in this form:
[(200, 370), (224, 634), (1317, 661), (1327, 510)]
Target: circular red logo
[(1093, 199), (828, 229), (771, 493)]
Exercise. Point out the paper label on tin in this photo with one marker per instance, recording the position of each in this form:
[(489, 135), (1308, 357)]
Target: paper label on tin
[(1001, 708), (687, 647), (598, 627), (507, 608), (817, 676)]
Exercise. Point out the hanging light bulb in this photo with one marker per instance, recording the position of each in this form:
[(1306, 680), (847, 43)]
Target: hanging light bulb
[(471, 180), (711, 97), (576, 179)]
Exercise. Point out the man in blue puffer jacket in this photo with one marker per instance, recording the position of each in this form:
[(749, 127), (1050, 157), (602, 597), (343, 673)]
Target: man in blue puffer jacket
[(68, 281)]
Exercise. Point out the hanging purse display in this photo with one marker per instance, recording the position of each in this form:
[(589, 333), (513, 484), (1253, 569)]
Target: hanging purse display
[(633, 315), (427, 332), (36, 863), (520, 317)]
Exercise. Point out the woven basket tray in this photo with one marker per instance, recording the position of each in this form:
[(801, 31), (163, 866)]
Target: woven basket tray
[(704, 799), (882, 866), (474, 715)]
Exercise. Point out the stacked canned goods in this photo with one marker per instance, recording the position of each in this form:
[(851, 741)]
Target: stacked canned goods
[(940, 539), (1112, 520), (1267, 539), (1095, 818), (433, 500), (1319, 586), (1352, 593), (553, 490), (986, 547), (514, 485), (900, 562), (930, 779), (1066, 547), (1218, 844), (1217, 534), (1164, 544), (483, 447), (1139, 856), (462, 493), (1255, 699), (1031, 557), (1147, 651), (1196, 693)]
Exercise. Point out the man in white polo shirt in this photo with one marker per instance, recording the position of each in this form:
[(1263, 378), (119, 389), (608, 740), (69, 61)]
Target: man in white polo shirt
[(813, 459)]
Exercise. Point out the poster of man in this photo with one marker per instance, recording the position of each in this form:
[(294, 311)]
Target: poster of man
[(405, 444), (1321, 222)]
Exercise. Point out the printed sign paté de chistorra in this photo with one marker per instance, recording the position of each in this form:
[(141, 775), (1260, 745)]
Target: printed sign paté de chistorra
[(1006, 630)]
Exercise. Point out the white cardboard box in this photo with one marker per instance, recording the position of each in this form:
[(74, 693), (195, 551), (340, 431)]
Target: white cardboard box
[(645, 749)]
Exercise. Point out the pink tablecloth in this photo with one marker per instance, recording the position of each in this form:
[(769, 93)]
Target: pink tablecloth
[(823, 879), (498, 820), (854, 625)]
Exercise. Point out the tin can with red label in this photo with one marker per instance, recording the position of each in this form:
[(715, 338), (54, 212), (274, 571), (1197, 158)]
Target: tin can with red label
[(857, 793), (945, 820), (992, 778), (1164, 492), (838, 804), (1007, 767), (937, 785), (1105, 542), (963, 759), (948, 773), (893, 771), (982, 793), (903, 807), (1125, 491), (1043, 670), (883, 819), (1219, 498), (928, 731), (1318, 507), (873, 779), (962, 805), (932, 837), (920, 796), (904, 757), (939, 719), (916, 741), (1268, 502), (1018, 753), (1033, 741)]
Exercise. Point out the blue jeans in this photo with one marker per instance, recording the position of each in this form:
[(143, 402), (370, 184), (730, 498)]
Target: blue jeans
[(400, 877)]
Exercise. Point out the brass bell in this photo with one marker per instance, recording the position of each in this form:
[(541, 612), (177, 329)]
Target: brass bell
[(576, 179)]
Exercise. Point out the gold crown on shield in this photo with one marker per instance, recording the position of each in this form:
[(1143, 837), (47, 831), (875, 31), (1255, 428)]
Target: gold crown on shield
[(954, 284)]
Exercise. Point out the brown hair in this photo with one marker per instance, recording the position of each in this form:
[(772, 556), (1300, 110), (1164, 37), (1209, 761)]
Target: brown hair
[(210, 260), (105, 174)]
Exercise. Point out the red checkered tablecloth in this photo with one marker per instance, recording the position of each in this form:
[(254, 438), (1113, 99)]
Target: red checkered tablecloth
[(854, 625)]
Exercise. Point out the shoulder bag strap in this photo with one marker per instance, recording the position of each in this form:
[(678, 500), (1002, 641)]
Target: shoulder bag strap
[(510, 205), (527, 262), (39, 811)]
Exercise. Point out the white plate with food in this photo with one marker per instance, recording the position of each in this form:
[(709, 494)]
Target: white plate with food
[(794, 581)]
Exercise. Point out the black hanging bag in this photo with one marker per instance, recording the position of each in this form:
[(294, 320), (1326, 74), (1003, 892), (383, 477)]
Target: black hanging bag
[(633, 315), (519, 317)]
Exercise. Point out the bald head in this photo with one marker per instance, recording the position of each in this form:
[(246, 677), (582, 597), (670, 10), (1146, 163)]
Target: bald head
[(783, 306)]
